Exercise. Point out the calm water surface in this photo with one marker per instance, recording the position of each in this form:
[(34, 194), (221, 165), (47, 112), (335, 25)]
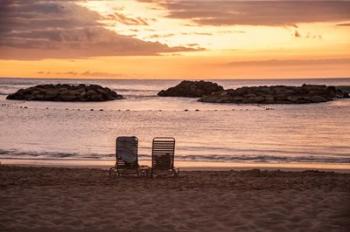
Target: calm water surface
[(318, 133)]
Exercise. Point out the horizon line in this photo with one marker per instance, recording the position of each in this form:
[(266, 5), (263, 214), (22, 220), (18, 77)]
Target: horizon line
[(175, 79)]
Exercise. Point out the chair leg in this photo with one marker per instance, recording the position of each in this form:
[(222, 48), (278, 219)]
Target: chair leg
[(112, 172), (175, 172)]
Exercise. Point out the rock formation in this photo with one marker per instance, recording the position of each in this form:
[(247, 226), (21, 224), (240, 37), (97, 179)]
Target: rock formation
[(344, 88), (65, 92), (191, 89), (277, 95)]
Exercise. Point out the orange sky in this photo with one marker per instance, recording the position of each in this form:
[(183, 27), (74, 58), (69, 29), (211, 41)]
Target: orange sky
[(175, 39)]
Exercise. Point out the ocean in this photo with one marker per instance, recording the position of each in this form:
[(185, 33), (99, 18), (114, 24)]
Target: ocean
[(206, 132)]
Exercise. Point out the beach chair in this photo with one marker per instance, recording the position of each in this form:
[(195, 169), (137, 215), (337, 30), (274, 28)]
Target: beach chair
[(126, 156), (163, 151)]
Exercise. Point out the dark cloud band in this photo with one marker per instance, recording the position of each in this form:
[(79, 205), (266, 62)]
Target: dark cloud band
[(64, 29), (270, 13)]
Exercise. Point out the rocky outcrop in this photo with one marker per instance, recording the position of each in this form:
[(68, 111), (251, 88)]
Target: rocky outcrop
[(191, 89), (65, 92), (277, 95), (344, 88)]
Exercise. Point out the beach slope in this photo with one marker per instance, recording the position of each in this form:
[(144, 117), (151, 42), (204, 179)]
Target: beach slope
[(67, 199)]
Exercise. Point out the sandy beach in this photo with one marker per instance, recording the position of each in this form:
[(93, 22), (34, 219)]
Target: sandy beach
[(81, 199)]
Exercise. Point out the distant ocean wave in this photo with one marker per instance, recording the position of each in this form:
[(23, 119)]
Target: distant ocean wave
[(135, 90), (14, 154)]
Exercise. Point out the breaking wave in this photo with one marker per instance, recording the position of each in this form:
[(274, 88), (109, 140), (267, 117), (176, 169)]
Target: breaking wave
[(14, 154)]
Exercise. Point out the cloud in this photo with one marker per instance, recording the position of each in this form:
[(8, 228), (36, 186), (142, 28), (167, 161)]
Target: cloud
[(121, 18), (82, 74), (193, 45), (157, 36), (271, 13), (63, 29), (297, 34), (278, 63), (309, 35), (343, 24)]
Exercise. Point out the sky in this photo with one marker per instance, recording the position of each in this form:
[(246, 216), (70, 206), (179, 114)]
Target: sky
[(174, 39)]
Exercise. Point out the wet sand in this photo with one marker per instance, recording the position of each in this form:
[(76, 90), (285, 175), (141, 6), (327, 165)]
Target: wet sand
[(68, 199)]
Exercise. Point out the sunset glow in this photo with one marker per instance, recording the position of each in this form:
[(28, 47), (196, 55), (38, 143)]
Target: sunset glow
[(175, 39)]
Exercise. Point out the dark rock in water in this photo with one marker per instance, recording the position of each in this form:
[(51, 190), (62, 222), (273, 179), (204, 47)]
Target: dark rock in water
[(191, 89), (277, 95), (344, 89), (64, 92)]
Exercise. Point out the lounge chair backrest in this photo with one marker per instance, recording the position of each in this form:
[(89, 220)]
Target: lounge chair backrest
[(163, 150), (127, 152)]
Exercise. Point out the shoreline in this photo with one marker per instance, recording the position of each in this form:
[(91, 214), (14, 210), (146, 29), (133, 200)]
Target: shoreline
[(183, 165)]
